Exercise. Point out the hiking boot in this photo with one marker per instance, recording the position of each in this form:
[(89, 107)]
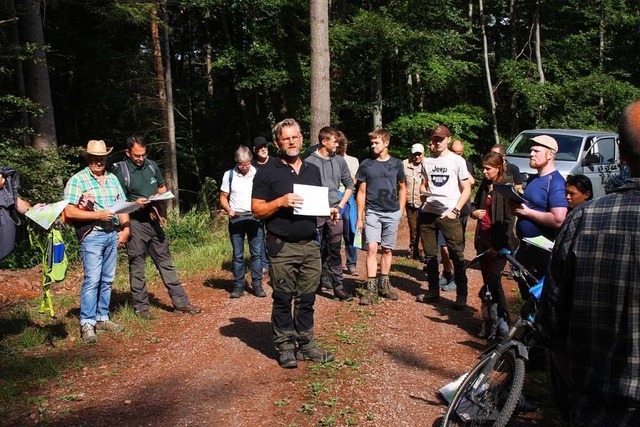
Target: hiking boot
[(371, 294), (342, 295), (287, 359), (108, 326), (325, 282), (315, 355), (428, 298), (460, 304), (145, 314), (88, 334), (443, 281), (188, 309), (351, 271), (384, 289), (237, 292), (258, 291)]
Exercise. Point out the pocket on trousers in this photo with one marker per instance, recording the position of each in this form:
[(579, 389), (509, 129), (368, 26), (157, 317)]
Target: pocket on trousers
[(273, 245)]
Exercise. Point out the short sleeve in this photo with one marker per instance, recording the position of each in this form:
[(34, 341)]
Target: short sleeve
[(463, 173), (361, 175), (260, 188), (557, 192), (401, 173), (224, 187), (72, 191)]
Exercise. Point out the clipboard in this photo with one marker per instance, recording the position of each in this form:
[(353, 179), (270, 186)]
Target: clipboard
[(509, 192)]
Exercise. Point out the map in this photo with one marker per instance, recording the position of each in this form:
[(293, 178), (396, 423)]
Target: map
[(45, 215)]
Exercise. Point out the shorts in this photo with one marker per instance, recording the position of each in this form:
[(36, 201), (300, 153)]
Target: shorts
[(382, 227)]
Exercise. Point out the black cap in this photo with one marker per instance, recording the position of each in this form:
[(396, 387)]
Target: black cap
[(259, 141)]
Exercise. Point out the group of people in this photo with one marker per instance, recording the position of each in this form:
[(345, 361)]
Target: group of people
[(589, 308)]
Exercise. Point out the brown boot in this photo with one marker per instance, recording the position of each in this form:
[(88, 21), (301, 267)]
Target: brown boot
[(384, 288), (371, 294)]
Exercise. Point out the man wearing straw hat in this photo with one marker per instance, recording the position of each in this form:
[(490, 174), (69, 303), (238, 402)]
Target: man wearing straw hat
[(90, 193)]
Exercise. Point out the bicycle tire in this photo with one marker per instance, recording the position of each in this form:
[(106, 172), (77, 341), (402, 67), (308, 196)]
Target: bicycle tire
[(488, 397)]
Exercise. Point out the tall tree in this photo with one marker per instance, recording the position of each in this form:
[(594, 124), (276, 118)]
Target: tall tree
[(487, 71), (36, 74), (320, 63)]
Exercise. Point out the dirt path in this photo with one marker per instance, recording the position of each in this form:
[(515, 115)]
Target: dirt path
[(218, 368)]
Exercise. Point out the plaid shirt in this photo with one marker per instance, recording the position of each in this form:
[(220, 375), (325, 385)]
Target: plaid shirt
[(590, 307), (85, 182)]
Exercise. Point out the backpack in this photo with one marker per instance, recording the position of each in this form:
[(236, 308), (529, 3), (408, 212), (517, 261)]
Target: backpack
[(122, 165), (55, 258)]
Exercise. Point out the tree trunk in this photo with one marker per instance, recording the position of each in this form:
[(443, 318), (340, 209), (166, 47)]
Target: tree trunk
[(377, 97), (601, 48), (13, 41), (209, 63), (320, 62), (36, 74), (538, 47), (487, 70), (170, 152)]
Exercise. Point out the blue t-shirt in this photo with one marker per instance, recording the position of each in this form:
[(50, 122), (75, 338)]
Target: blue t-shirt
[(382, 183), (543, 193)]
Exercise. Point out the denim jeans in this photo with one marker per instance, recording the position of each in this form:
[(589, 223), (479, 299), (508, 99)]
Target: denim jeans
[(99, 250), (252, 229), (350, 251)]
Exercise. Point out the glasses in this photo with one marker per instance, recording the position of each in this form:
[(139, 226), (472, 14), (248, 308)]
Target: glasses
[(94, 159)]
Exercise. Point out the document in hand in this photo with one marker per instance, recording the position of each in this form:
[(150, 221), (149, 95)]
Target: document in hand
[(315, 200), (123, 207), (509, 192), (45, 215), (540, 242), (164, 196)]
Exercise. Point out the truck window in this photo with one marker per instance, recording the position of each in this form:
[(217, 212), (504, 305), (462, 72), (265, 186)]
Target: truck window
[(568, 146)]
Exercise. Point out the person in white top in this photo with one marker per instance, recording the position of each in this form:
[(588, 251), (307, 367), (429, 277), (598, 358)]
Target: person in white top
[(235, 199), (447, 178), (349, 215)]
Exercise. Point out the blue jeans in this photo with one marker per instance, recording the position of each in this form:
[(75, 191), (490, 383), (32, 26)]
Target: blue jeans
[(99, 250), (350, 252), (252, 229)]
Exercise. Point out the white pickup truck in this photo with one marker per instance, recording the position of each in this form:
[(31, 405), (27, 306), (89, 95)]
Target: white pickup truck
[(591, 153)]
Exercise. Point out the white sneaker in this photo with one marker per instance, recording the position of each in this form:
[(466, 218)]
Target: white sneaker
[(88, 334)]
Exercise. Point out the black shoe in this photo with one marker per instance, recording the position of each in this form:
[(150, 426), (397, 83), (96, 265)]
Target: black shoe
[(188, 309), (325, 282), (287, 359), (428, 298), (460, 304), (342, 295), (315, 355), (237, 293), (259, 291), (145, 314)]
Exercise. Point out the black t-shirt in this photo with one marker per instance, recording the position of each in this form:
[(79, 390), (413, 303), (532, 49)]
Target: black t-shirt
[(275, 179), (255, 164), (466, 209), (514, 171), (382, 183)]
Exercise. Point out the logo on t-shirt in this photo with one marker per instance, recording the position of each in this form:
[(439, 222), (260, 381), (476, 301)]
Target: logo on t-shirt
[(153, 180), (438, 179)]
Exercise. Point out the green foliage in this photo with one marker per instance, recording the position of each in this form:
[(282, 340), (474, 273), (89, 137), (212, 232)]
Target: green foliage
[(190, 229)]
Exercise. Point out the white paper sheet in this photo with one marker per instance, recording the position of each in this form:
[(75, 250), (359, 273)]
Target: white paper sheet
[(164, 196), (315, 200), (123, 207)]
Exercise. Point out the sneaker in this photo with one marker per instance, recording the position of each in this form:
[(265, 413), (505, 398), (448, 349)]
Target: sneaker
[(237, 292), (287, 359), (325, 282), (108, 326), (449, 287), (258, 291), (315, 355), (88, 334), (145, 314), (428, 298), (188, 309), (444, 281), (342, 295)]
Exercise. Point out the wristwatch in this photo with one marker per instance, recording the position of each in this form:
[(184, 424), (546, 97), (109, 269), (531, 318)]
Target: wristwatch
[(456, 211)]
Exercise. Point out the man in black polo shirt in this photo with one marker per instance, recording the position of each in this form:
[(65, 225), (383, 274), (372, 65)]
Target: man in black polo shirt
[(292, 246), (141, 178)]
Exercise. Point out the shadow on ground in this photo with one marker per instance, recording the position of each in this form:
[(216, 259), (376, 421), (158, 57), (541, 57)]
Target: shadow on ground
[(256, 335)]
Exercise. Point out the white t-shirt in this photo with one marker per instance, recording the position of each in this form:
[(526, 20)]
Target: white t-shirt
[(444, 175), (353, 165), (240, 191)]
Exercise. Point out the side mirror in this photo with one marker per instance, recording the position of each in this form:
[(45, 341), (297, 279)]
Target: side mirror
[(591, 159)]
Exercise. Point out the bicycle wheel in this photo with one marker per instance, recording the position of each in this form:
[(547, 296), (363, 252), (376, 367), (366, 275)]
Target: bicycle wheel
[(489, 394)]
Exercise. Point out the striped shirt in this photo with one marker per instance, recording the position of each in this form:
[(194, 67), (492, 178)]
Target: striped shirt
[(590, 307), (84, 182)]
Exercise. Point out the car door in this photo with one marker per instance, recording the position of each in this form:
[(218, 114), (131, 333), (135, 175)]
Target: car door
[(600, 164)]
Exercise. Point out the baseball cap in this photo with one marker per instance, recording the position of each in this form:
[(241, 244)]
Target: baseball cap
[(545, 141), (441, 131), (417, 148), (259, 141)]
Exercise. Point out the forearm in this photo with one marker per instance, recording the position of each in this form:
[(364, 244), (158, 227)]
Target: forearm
[(74, 212), (22, 206), (402, 195), (360, 201), (345, 198), (547, 219), (262, 209), (224, 202), (464, 195)]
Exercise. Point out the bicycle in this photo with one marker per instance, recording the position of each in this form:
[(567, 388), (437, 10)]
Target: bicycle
[(491, 390)]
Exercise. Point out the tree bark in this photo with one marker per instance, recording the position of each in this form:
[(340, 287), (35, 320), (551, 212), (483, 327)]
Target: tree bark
[(538, 41), (13, 40), (170, 152), (36, 74), (487, 70), (377, 97), (320, 63)]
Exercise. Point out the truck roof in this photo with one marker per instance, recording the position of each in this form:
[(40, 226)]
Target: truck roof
[(574, 132)]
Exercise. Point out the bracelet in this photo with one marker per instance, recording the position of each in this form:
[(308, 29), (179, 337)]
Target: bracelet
[(456, 211)]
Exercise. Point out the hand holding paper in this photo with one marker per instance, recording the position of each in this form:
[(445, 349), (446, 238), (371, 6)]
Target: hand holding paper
[(315, 200)]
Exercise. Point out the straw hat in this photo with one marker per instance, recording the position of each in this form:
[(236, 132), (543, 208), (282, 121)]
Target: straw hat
[(96, 148)]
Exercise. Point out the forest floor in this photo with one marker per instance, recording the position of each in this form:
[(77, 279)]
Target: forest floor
[(219, 368)]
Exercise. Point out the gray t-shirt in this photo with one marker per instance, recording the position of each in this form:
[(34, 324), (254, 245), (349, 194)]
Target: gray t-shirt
[(382, 180)]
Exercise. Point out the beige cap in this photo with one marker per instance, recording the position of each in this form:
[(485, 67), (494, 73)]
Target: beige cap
[(545, 141), (417, 148)]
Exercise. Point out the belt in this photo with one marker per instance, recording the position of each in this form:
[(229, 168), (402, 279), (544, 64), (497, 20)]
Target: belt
[(270, 235)]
